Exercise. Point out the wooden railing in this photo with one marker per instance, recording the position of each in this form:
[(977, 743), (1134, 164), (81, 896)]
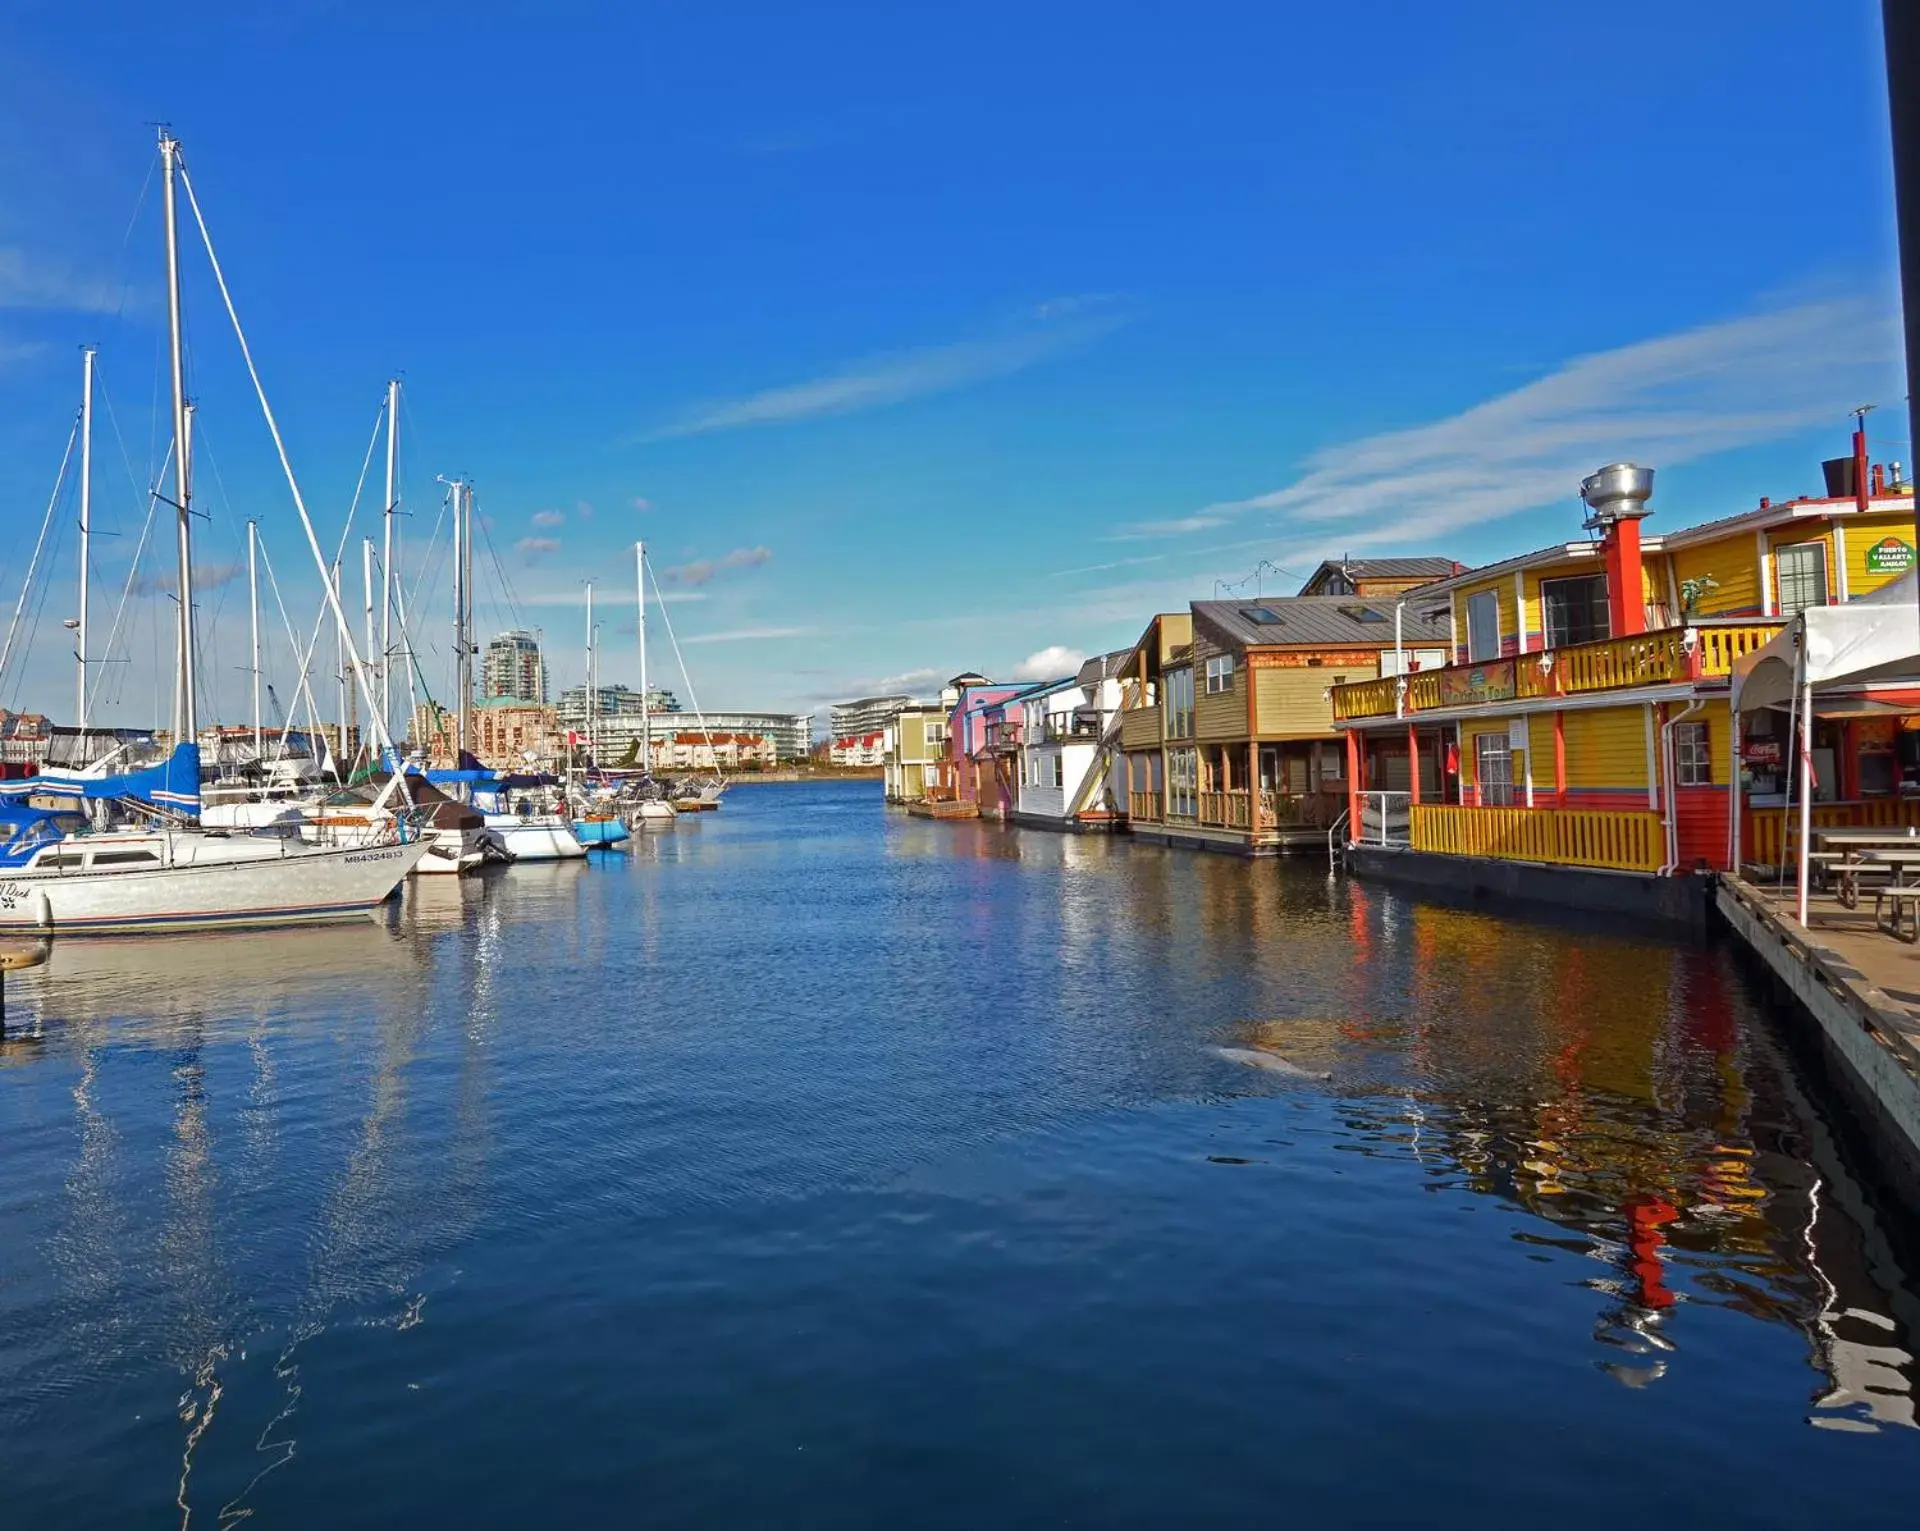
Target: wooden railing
[(1626, 842), (1764, 835), (1226, 810), (1610, 664), (1143, 807)]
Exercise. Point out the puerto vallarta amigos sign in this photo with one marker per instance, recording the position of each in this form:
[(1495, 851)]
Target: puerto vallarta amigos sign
[(1890, 556)]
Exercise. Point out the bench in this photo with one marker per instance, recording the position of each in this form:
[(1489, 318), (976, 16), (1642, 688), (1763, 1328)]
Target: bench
[(1850, 874), (1898, 897)]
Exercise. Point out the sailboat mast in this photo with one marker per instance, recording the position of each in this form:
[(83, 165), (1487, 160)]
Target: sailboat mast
[(386, 553), (366, 592), (466, 622), (86, 529), (340, 660), (253, 615), (186, 720), (640, 584), (591, 756)]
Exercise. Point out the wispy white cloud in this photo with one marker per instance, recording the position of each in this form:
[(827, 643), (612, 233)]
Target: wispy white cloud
[(641, 502), (1663, 402), (577, 596), (549, 518), (1117, 563), (703, 569), (535, 548), (894, 378), (1142, 531), (1049, 663), (206, 577), (39, 282), (750, 634)]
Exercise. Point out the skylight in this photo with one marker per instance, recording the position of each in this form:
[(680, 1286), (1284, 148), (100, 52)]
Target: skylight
[(1264, 616), (1363, 614)]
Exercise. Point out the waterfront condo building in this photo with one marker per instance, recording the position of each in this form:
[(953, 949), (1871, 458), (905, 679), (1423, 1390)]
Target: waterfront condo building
[(1580, 744)]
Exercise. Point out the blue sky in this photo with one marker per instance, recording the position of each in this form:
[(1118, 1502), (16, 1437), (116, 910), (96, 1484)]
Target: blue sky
[(919, 339)]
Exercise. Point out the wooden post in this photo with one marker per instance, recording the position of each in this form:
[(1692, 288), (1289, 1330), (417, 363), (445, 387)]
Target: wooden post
[(1559, 760), (1354, 758), (1253, 786), (1413, 765)]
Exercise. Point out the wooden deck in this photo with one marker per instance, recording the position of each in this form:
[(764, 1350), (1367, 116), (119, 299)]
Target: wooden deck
[(1880, 969), (1861, 988)]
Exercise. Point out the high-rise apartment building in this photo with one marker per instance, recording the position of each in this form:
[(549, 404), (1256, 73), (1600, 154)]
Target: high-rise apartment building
[(512, 670)]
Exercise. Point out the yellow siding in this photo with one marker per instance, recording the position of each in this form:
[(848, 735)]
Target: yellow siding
[(1293, 703), (1732, 563), (1606, 747), (1224, 714), (1862, 533)]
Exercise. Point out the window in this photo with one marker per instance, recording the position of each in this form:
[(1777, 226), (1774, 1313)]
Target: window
[(1219, 673), (1801, 572), (1692, 755), (1260, 616), (1483, 626), (1059, 772), (1180, 704), (1362, 614), (1493, 770), (1575, 610), (58, 863), (125, 858), (1183, 783)]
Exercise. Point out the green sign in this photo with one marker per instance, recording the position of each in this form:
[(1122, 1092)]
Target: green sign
[(1890, 556)]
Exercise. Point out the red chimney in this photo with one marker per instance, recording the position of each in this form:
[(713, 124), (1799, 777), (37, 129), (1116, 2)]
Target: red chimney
[(1860, 463), (1616, 499), (1879, 479)]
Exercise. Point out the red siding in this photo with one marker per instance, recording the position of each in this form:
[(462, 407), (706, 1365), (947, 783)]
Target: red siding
[(1701, 818)]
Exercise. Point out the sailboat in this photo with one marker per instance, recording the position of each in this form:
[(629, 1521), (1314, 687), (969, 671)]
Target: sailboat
[(597, 825), (60, 874)]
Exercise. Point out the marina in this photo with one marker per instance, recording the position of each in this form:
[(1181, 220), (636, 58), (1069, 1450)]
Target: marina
[(1386, 992), (426, 1193)]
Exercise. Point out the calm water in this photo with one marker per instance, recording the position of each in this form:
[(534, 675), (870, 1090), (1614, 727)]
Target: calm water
[(814, 1166)]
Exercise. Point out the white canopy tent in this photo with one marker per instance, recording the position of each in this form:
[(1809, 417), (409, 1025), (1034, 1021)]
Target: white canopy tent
[(1823, 651)]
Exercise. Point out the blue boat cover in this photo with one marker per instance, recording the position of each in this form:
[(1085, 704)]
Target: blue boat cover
[(174, 783)]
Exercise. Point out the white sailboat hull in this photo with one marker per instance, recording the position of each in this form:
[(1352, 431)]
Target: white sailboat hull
[(543, 837), (287, 885)]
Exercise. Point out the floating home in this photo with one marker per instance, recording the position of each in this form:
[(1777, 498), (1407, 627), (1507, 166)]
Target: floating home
[(1228, 735), (1580, 746)]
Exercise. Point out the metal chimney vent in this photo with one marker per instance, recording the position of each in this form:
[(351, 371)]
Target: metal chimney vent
[(1617, 492)]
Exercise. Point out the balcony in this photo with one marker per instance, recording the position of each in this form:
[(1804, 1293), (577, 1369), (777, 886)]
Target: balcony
[(1004, 738), (1703, 651), (1226, 810), (1140, 728), (1608, 840)]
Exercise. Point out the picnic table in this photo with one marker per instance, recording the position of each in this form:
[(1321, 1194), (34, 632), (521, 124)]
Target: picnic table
[(1843, 857), (1903, 891)]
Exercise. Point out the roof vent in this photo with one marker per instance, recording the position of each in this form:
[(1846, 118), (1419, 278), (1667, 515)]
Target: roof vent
[(1618, 492)]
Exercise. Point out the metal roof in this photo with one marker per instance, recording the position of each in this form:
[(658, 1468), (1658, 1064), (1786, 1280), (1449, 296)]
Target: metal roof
[(1326, 620), (1386, 568)]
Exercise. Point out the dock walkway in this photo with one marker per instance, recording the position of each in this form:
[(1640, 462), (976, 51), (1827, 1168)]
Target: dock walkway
[(1862, 988)]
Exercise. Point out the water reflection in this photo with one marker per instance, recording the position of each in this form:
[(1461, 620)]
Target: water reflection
[(651, 1140)]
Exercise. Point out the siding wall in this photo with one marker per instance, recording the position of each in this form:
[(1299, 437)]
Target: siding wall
[(1292, 703), (1606, 755), (1224, 714), (1733, 564), (1862, 534)]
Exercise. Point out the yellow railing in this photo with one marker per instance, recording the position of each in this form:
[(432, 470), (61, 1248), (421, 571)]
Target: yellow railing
[(1625, 842), (1764, 835), (1143, 807), (1645, 659), (1721, 646), (1364, 698), (1609, 664)]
